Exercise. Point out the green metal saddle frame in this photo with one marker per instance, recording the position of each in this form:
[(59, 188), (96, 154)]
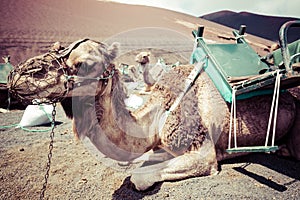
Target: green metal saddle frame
[(237, 66)]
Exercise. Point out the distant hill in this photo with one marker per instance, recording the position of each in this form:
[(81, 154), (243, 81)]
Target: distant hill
[(263, 26)]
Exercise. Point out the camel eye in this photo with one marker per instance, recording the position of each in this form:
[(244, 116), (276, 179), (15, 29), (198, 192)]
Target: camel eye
[(84, 68)]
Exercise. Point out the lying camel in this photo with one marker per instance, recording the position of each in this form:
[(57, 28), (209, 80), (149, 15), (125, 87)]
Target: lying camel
[(140, 71), (188, 141), (144, 71), (143, 58)]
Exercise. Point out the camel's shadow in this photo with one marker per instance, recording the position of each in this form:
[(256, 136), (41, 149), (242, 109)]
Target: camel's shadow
[(285, 166), (128, 191)]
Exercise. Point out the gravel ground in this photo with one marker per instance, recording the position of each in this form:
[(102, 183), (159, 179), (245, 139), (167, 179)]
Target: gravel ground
[(75, 174)]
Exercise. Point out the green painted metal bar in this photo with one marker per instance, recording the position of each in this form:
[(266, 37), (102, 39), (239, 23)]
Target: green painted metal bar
[(283, 32), (252, 149)]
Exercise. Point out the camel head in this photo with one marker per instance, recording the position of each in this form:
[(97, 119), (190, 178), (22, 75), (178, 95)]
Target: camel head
[(80, 69), (6, 59), (143, 58)]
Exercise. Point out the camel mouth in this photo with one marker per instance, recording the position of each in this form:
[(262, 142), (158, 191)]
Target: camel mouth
[(41, 77)]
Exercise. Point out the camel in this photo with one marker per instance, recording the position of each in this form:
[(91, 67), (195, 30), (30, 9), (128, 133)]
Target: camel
[(188, 141), (144, 71), (141, 71), (144, 67)]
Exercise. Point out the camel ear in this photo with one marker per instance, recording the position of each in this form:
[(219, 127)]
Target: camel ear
[(56, 46), (113, 50)]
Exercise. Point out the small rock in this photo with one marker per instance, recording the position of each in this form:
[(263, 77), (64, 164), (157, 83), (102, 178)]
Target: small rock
[(3, 110), (166, 195)]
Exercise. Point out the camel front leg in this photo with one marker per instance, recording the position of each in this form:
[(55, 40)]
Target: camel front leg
[(190, 164), (76, 136)]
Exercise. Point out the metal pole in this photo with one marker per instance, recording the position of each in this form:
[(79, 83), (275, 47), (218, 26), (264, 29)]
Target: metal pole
[(283, 42)]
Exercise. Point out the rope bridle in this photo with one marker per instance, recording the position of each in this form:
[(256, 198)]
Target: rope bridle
[(71, 80), (51, 66), (107, 74)]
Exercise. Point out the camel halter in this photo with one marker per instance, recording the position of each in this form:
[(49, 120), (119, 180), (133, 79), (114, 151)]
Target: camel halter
[(37, 80), (107, 74), (79, 81)]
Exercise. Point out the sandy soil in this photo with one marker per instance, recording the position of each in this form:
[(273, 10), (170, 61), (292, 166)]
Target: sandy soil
[(76, 174), (29, 28)]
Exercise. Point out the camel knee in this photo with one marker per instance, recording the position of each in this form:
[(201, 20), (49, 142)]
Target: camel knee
[(191, 164), (144, 181)]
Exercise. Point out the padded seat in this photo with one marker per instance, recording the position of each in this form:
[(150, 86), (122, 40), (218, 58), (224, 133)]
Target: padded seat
[(237, 60)]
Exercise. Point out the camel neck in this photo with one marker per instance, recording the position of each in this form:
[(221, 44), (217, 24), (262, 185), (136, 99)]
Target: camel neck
[(120, 127)]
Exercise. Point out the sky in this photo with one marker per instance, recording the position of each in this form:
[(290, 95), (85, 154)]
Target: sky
[(287, 8)]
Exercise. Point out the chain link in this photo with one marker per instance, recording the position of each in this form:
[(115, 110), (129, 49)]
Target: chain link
[(46, 177)]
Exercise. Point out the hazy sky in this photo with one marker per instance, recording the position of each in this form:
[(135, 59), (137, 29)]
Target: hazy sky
[(197, 8)]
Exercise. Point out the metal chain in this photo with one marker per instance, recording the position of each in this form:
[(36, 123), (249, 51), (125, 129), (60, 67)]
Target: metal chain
[(42, 194)]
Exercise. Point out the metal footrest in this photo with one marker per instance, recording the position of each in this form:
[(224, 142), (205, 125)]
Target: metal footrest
[(252, 149)]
